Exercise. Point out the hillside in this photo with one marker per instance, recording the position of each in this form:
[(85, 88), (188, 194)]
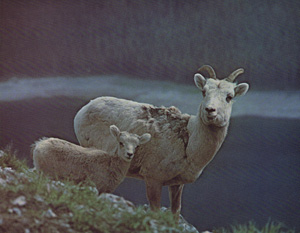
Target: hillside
[(32, 203)]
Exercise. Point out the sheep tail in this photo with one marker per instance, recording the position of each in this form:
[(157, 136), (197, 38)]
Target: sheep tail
[(33, 146)]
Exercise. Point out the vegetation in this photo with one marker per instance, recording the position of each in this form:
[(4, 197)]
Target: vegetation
[(251, 227)]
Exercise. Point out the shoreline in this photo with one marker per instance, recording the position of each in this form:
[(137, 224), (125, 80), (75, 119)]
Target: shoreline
[(276, 103)]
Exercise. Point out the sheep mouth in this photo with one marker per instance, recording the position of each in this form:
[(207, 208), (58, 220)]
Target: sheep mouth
[(211, 118), (128, 158), (215, 121)]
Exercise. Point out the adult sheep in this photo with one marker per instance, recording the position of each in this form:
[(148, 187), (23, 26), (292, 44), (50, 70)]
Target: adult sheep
[(181, 146), (61, 159)]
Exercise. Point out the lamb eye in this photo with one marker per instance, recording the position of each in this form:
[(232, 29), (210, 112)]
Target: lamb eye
[(228, 98), (121, 144)]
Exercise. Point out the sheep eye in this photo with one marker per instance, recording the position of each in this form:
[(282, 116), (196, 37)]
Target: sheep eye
[(228, 98), (121, 144), (203, 93)]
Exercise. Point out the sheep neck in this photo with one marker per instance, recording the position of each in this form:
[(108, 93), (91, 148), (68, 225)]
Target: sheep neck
[(121, 166), (204, 142)]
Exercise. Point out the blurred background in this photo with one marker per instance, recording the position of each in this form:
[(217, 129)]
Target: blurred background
[(57, 55), (165, 40)]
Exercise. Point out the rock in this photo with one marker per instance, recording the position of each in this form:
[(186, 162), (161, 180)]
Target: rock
[(39, 198), (50, 214), (124, 205), (10, 176), (19, 201), (183, 223), (117, 202), (2, 182), (15, 211)]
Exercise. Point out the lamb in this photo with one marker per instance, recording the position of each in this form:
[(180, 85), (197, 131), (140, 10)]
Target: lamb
[(182, 145), (61, 159)]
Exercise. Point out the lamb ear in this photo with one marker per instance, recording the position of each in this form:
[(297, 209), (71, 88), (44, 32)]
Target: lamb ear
[(115, 132), (145, 138), (241, 89), (200, 81)]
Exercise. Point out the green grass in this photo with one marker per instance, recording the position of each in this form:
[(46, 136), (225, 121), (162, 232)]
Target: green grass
[(251, 227), (9, 159)]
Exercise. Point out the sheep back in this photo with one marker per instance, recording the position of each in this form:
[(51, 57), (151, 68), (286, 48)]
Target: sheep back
[(63, 160), (165, 153)]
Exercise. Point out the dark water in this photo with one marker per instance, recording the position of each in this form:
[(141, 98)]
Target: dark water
[(255, 175)]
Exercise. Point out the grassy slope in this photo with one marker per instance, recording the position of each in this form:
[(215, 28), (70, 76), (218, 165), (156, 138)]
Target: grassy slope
[(33, 202)]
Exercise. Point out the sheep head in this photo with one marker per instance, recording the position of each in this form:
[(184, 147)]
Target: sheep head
[(218, 95), (128, 142)]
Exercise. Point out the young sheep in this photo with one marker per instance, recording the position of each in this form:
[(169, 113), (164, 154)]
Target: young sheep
[(61, 159), (182, 145)]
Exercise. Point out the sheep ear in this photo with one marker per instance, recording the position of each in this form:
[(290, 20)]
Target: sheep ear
[(115, 132), (241, 89), (200, 81), (145, 138)]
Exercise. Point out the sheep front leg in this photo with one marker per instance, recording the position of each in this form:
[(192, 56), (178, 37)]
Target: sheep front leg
[(153, 189), (175, 193)]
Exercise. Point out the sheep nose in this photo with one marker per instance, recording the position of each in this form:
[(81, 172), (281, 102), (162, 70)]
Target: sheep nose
[(130, 154), (210, 109)]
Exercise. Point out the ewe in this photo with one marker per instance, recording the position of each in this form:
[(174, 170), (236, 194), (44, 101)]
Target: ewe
[(61, 159), (181, 145)]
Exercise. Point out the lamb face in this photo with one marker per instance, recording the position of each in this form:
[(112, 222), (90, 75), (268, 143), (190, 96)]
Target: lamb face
[(216, 106), (127, 142)]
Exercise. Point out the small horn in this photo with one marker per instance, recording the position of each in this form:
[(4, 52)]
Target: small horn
[(234, 75), (210, 71)]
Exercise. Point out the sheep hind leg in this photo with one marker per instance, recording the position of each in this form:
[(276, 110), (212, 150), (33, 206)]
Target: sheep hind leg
[(154, 189), (175, 193)]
